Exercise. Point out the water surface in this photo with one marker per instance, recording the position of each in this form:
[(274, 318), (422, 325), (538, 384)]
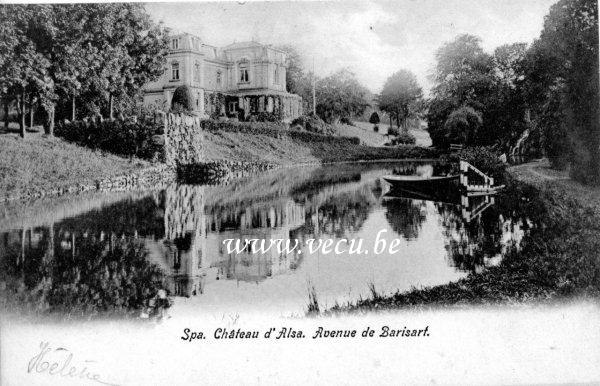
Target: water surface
[(137, 254)]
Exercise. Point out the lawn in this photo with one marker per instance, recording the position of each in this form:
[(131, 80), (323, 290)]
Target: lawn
[(369, 137), (39, 163)]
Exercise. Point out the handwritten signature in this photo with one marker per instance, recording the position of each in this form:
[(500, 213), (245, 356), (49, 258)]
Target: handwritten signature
[(59, 362)]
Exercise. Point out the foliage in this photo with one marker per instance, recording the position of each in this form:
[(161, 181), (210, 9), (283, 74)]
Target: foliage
[(265, 116), (94, 53), (403, 139), (313, 124), (294, 71), (346, 121), (183, 99), (485, 159), (562, 86), (401, 96), (490, 84), (463, 125), (374, 118), (340, 95), (393, 131), (126, 138)]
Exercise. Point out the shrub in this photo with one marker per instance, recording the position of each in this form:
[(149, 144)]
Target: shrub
[(374, 119), (183, 99), (485, 159), (125, 138), (346, 121), (376, 128), (393, 131), (462, 125), (404, 139), (314, 124), (275, 130), (267, 117)]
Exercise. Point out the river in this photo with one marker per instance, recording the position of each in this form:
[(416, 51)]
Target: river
[(162, 252)]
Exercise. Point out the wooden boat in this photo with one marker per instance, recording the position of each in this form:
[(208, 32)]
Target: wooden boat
[(420, 183)]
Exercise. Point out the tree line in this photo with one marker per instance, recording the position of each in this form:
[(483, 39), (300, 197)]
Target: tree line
[(544, 95), (70, 60)]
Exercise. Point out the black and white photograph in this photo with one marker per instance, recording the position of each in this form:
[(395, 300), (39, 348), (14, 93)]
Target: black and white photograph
[(300, 192)]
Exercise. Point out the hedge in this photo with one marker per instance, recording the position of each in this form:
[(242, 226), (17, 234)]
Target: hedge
[(272, 129), (126, 138)]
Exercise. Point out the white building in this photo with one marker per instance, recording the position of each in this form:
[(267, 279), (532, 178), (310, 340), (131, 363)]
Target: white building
[(241, 79)]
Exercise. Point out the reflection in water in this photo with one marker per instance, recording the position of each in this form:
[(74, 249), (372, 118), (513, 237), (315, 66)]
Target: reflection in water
[(123, 258)]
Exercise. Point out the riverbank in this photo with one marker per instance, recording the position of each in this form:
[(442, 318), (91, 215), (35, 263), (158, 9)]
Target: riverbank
[(558, 259), (38, 166), (295, 148)]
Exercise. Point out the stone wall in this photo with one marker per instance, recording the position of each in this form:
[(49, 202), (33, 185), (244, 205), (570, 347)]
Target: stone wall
[(184, 139)]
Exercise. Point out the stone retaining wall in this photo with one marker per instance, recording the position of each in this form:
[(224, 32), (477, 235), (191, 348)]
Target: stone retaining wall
[(184, 140), (152, 177)]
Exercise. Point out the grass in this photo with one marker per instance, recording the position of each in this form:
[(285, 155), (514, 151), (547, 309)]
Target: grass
[(364, 131), (559, 259), (285, 150), (39, 163)]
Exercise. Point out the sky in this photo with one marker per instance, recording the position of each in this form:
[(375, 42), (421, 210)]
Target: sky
[(373, 39)]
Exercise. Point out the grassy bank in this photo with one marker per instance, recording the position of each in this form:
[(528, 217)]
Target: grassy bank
[(559, 257), (37, 163), (291, 148)]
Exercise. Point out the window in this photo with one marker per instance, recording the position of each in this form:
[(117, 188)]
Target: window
[(244, 78), (175, 71), (175, 43), (276, 76), (197, 72), (218, 78)]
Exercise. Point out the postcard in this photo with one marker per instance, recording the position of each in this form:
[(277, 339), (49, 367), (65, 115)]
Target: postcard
[(300, 192)]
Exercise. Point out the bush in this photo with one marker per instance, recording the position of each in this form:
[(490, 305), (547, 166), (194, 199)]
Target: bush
[(374, 119), (485, 159), (275, 130), (346, 121), (314, 124), (404, 139), (126, 138), (393, 131), (462, 125), (376, 129), (183, 99), (267, 117)]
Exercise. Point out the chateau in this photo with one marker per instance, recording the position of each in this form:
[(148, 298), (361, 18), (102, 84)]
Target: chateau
[(239, 80)]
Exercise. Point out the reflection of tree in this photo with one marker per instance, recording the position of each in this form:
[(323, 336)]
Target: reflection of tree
[(345, 213), (82, 275), (405, 216)]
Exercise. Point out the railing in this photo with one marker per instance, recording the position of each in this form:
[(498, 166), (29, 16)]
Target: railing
[(487, 182)]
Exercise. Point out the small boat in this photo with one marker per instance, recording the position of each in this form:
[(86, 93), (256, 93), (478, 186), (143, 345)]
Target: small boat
[(418, 182)]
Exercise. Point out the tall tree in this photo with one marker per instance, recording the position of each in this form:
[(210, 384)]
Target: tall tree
[(294, 70), (401, 96), (563, 86), (341, 95)]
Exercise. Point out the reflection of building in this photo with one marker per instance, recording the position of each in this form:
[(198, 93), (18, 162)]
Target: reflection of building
[(191, 232), (241, 78)]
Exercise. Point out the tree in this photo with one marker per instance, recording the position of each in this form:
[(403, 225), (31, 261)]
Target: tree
[(182, 99), (340, 95), (465, 75), (562, 87), (400, 96), (295, 69), (374, 119), (95, 52), (462, 126)]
